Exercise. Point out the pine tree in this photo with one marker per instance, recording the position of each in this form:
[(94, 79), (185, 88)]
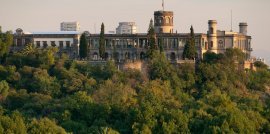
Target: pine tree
[(161, 49), (83, 46), (102, 42), (190, 49), (151, 35)]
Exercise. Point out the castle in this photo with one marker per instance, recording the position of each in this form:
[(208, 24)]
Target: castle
[(130, 47)]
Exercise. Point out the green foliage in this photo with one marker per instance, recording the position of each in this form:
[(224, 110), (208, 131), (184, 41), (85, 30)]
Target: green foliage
[(83, 46), (160, 68), (211, 57), (151, 36), (28, 49), (161, 48), (115, 94), (233, 55), (43, 126), (13, 123), (38, 80), (190, 49), (260, 65), (30, 56), (44, 94), (6, 40), (102, 42), (3, 89), (259, 80)]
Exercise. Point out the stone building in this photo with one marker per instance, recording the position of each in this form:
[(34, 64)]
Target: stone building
[(66, 41), (130, 47), (133, 46)]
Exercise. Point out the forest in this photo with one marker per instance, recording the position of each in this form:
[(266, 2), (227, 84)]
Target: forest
[(42, 93)]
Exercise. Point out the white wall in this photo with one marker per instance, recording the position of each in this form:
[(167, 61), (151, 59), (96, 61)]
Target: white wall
[(53, 39)]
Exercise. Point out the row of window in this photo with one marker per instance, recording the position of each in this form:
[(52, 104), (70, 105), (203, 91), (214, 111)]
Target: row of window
[(53, 44), (169, 43)]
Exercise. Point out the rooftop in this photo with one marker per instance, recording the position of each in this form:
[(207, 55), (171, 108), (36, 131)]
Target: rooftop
[(58, 32)]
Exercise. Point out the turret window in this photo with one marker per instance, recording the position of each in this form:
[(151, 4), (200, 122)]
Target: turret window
[(212, 30), (167, 20)]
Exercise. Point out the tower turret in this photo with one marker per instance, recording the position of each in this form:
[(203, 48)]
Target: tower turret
[(163, 21), (212, 35), (243, 28)]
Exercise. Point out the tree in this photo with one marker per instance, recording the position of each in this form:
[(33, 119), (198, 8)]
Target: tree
[(189, 49), (12, 124), (260, 64), (211, 57), (151, 35), (161, 49), (102, 42), (3, 89), (44, 126), (6, 39), (83, 46), (29, 49)]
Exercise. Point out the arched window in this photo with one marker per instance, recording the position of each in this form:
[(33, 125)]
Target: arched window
[(211, 30), (212, 44), (142, 55), (95, 56), (106, 56), (173, 56), (167, 20)]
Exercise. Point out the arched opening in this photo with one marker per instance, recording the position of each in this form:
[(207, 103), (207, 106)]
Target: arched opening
[(212, 44), (211, 30), (95, 56), (106, 56), (127, 55), (116, 56), (142, 55), (173, 56)]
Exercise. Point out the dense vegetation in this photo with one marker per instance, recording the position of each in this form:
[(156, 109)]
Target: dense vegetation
[(44, 94)]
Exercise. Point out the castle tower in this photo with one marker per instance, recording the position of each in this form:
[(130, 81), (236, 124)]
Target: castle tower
[(212, 36), (243, 28), (163, 21)]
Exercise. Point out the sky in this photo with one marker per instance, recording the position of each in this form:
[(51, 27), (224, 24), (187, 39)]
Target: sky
[(46, 15)]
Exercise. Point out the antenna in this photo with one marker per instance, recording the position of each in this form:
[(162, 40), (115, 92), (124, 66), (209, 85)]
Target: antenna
[(163, 5), (231, 20)]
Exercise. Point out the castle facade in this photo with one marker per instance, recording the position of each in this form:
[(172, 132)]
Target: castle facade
[(123, 47)]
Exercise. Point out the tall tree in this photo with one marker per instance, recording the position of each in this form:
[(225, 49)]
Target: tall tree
[(6, 40), (102, 42), (161, 49), (190, 50), (83, 46), (151, 35)]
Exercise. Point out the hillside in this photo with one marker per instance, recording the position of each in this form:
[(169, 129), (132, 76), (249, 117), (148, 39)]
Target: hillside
[(44, 94)]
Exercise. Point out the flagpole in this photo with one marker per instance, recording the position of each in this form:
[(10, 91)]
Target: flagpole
[(163, 4)]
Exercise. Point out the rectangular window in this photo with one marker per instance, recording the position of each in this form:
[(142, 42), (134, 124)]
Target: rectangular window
[(45, 45), (53, 43), (68, 44), (61, 44), (37, 44)]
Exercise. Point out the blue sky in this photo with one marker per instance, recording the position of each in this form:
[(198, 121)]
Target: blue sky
[(46, 15)]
